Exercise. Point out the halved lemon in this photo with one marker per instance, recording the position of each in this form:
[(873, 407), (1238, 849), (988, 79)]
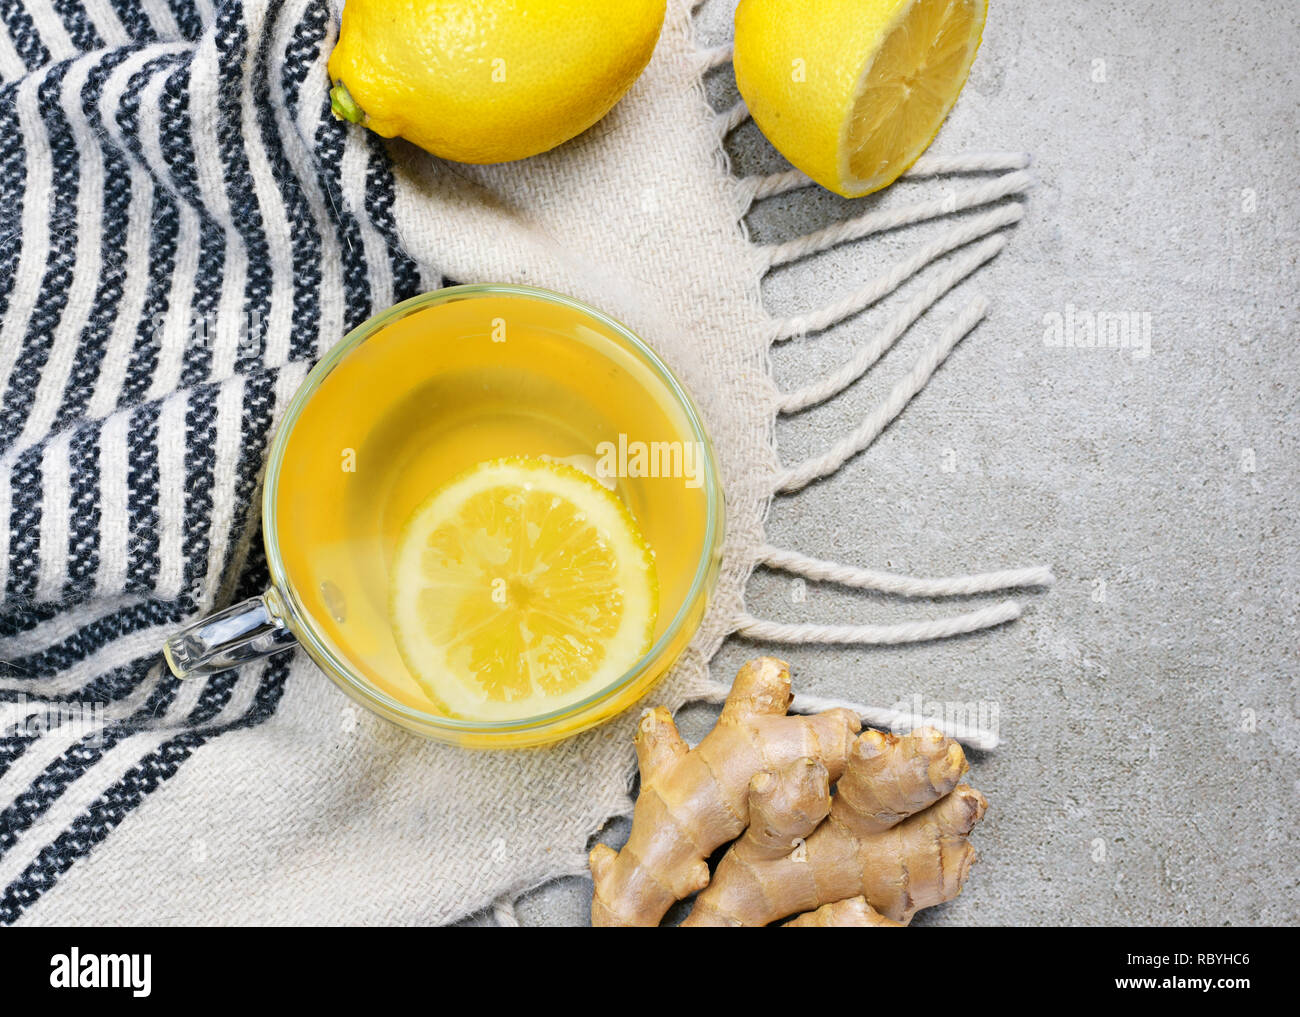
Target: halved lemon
[(853, 91), (519, 588)]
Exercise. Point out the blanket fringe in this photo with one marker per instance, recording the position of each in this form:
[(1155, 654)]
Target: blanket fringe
[(883, 219), (711, 59), (797, 477), (935, 165), (878, 635), (801, 325), (506, 912), (884, 718), (903, 319), (904, 586), (760, 187), (731, 119)]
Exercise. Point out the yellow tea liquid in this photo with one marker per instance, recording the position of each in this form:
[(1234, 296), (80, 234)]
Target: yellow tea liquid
[(448, 387)]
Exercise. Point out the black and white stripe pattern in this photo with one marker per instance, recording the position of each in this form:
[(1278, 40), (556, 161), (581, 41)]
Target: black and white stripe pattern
[(184, 228)]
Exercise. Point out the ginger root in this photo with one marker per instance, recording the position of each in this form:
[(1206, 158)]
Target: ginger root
[(890, 841), (895, 834), (854, 913), (694, 801)]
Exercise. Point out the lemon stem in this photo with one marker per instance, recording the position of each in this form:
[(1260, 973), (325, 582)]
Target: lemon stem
[(344, 106)]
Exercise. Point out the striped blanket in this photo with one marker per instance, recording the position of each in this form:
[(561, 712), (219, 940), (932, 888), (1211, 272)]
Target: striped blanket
[(182, 233)]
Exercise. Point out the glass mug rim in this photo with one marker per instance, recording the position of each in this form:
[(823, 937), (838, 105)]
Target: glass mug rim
[(300, 621)]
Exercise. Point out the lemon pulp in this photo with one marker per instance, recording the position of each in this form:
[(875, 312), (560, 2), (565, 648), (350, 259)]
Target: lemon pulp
[(521, 587), (909, 88), (853, 91)]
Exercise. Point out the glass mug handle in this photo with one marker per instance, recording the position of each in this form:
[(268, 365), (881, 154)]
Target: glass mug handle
[(242, 632)]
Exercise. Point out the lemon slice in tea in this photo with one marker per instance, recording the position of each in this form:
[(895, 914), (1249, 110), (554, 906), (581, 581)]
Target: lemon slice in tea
[(519, 588)]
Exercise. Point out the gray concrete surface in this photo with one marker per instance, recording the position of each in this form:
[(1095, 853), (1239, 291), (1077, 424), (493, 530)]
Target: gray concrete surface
[(1150, 702)]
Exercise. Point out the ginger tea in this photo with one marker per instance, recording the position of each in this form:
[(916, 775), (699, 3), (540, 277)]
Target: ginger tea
[(444, 388)]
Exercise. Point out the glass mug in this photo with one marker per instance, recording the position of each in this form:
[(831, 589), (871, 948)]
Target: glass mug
[(417, 395)]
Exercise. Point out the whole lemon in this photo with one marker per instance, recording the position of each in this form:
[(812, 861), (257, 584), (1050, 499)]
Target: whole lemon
[(488, 80)]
